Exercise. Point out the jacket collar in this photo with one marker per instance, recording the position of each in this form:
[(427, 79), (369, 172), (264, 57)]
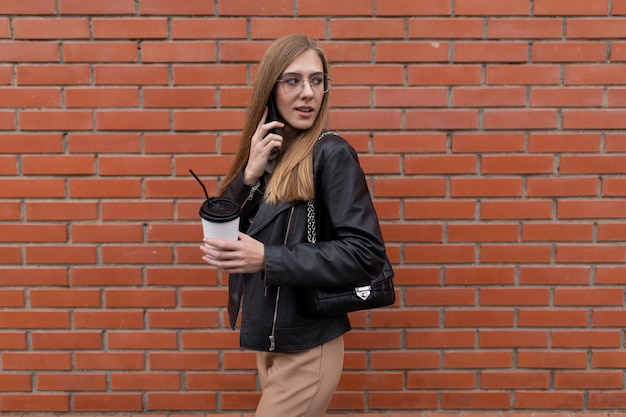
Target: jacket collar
[(266, 214)]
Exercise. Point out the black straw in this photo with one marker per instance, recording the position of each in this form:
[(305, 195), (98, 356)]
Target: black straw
[(203, 187)]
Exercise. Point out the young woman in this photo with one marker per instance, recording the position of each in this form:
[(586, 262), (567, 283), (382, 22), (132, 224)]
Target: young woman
[(272, 264)]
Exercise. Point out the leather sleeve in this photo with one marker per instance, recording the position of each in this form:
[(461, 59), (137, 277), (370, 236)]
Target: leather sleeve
[(247, 197), (350, 249)]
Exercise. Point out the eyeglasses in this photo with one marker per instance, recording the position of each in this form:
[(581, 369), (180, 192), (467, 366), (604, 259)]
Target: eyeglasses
[(294, 84)]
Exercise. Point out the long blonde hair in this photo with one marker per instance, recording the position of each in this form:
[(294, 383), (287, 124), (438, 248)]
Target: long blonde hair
[(292, 179)]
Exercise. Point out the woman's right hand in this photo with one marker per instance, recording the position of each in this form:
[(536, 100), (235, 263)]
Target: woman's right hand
[(261, 145)]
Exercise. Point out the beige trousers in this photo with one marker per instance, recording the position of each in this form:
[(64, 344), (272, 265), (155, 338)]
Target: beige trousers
[(299, 384)]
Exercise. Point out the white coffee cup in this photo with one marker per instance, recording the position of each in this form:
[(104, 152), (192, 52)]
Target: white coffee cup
[(220, 218)]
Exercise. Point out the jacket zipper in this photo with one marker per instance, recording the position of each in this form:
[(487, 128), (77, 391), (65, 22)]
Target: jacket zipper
[(273, 335)]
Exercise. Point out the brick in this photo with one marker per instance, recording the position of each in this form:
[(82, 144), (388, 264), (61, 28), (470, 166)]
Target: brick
[(30, 188), (596, 28), (329, 7), (56, 28), (36, 361), (72, 74), (71, 210), (275, 27), (566, 8), (93, 233), (83, 402), (589, 73), (97, 7), (103, 142), (100, 52), (22, 51), (347, 51), (380, 28), (70, 340), (16, 383), (487, 275), (132, 120), (439, 253), (566, 97), (10, 211), (35, 402), (242, 51), (479, 318), (444, 75), (535, 28), (90, 97), (109, 361), (520, 119), (33, 276), (213, 74), (569, 52), (514, 297), (402, 400), (412, 8), (557, 232), (178, 51), (489, 97), (129, 28), (8, 165), (177, 143), (28, 7), (490, 339), (412, 52), (69, 254), (487, 142), (165, 7), (514, 380), (12, 299), (549, 400), (12, 341), (441, 380), (486, 51), (142, 340), (564, 142), (105, 276), (520, 253), (544, 317), (406, 360), (33, 120), (593, 119), (34, 233), (116, 254), (82, 382), (508, 209), (179, 97), (586, 339), (24, 97), (112, 319), (203, 298), (149, 298), (104, 187), (554, 359), (478, 401), (146, 381), (64, 298), (485, 7), (181, 276), (58, 165), (182, 319), (190, 120), (176, 361), (215, 381), (131, 74), (134, 165), (560, 275), (202, 28), (534, 74), (137, 210), (184, 401)]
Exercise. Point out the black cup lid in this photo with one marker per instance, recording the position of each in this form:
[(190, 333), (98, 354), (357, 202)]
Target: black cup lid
[(219, 210)]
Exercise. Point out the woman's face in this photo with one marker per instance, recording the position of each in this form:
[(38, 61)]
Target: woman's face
[(300, 109)]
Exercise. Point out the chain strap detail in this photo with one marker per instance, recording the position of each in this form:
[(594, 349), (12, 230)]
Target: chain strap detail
[(311, 232)]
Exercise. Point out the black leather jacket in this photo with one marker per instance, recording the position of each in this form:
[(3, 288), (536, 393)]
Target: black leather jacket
[(350, 250)]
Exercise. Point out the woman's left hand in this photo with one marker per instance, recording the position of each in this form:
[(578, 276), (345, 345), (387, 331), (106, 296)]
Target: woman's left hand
[(245, 255)]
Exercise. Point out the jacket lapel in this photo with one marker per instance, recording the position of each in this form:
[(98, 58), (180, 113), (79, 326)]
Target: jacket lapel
[(266, 214)]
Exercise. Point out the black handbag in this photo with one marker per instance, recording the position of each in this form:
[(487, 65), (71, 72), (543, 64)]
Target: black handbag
[(341, 300)]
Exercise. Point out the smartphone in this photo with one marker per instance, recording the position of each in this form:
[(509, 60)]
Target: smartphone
[(272, 114)]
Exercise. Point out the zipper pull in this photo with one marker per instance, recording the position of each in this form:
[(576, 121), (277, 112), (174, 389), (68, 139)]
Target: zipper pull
[(272, 344)]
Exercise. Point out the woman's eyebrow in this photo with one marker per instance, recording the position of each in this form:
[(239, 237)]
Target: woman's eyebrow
[(299, 74)]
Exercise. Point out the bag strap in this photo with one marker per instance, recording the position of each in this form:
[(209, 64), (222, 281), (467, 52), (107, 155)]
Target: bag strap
[(311, 232)]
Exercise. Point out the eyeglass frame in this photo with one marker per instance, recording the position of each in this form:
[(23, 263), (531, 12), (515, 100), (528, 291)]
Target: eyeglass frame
[(327, 81)]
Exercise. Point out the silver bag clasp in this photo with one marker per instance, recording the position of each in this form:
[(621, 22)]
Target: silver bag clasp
[(363, 292)]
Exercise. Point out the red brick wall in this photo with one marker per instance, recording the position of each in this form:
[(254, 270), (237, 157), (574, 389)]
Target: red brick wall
[(493, 133)]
